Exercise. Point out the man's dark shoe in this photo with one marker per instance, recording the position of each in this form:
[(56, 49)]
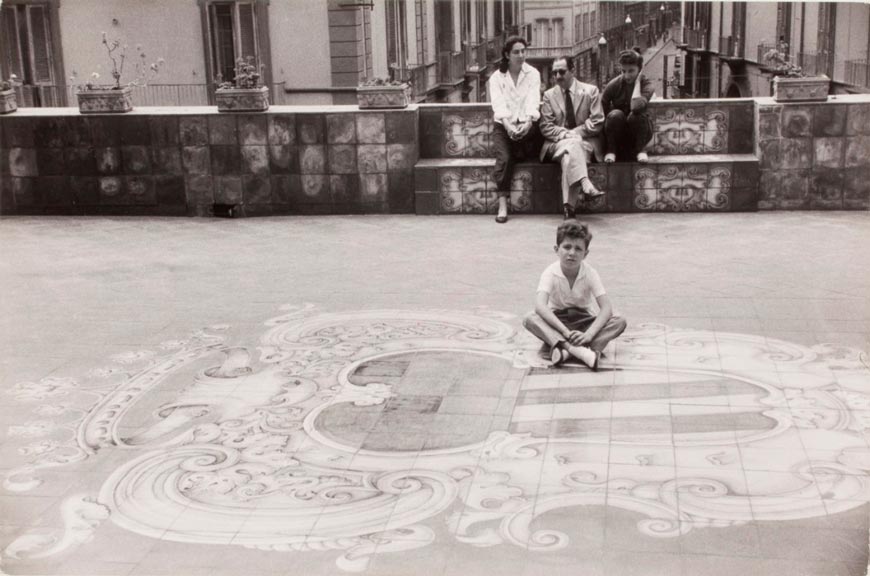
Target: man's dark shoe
[(568, 211)]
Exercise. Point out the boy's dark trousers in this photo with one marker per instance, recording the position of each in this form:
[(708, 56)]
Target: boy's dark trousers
[(626, 136), (574, 319), (507, 152)]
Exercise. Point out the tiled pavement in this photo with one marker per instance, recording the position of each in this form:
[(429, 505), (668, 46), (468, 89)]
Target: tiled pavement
[(346, 394)]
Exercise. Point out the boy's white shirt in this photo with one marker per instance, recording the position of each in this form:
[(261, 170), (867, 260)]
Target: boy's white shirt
[(587, 287)]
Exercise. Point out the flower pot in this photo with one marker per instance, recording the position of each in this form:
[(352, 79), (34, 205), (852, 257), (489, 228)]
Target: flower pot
[(382, 96), (105, 100), (7, 102), (809, 89), (242, 99)]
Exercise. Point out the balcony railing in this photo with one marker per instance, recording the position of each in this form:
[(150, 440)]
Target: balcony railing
[(493, 48), (451, 67), (695, 39), (858, 73), (422, 78), (811, 64), (731, 47), (763, 50)]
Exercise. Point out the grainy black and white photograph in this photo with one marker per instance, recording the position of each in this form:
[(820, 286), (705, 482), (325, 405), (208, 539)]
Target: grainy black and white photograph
[(434, 288)]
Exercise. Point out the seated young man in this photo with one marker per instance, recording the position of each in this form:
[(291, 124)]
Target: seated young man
[(571, 123), (564, 316), (628, 127)]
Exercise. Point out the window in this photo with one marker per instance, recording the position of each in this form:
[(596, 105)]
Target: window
[(558, 37), (397, 41), (422, 32), (28, 45), (236, 29)]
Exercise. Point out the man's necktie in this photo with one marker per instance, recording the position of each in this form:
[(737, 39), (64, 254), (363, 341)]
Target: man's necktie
[(570, 121)]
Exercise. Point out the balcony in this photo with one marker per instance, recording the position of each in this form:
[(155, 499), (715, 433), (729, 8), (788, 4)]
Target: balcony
[(422, 78), (451, 67), (475, 55), (731, 48), (695, 39), (858, 73)]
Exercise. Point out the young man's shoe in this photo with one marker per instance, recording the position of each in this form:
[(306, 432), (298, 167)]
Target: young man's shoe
[(643, 158), (587, 356), (589, 188), (610, 158), (568, 211)]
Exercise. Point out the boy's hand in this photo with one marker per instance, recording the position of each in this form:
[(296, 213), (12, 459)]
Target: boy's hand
[(575, 337)]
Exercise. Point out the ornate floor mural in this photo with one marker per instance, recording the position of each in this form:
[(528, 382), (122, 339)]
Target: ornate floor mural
[(354, 434)]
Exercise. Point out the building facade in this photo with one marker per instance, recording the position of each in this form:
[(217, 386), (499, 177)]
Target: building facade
[(725, 44), (310, 52)]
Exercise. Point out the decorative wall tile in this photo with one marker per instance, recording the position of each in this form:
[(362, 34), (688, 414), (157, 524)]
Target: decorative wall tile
[(282, 129), (225, 160), (283, 187), (645, 199), (164, 130), (665, 142), (166, 160), (371, 128), (741, 142), (50, 161), (222, 130), (769, 123), (743, 199), (795, 153), (467, 135), (680, 200), (856, 189), (340, 129), (228, 190), (745, 174), (84, 190), (451, 202), (140, 189), (25, 192), (254, 160), (22, 162), (49, 132), (108, 160), (450, 189), (400, 192), (342, 159), (136, 159), (17, 133), (55, 190), (256, 189), (193, 130), (401, 128), (373, 188), (372, 158), (645, 178), (311, 128), (170, 190), (858, 120), (426, 203), (714, 142), (400, 157), (134, 130), (312, 160), (768, 189), (717, 199), (426, 179), (793, 190), (200, 190), (195, 160), (828, 152), (826, 189), (740, 118), (283, 159), (829, 120), (111, 189), (857, 151), (253, 130), (344, 188), (797, 121), (78, 132), (474, 202), (669, 176), (430, 133)]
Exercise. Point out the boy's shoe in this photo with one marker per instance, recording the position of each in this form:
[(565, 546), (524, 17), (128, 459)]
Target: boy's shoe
[(557, 355), (610, 158), (597, 361), (642, 158)]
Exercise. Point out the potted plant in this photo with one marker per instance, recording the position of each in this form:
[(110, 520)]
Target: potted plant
[(7, 95), (790, 83), (246, 92), (382, 93), (96, 98)]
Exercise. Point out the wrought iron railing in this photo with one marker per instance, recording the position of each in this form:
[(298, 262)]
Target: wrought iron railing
[(858, 73), (731, 47), (422, 78), (695, 39), (763, 50), (44, 96)]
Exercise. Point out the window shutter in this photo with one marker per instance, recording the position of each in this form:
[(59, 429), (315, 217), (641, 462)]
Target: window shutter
[(41, 43), (12, 58), (392, 51), (247, 32)]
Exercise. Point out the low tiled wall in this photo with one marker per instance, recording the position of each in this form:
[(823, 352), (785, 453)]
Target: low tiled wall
[(338, 159), (814, 156), (181, 161)]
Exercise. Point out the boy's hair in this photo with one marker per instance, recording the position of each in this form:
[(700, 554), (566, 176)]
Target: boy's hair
[(573, 229), (506, 51), (631, 57)]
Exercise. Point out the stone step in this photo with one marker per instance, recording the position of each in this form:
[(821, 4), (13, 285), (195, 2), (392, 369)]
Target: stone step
[(674, 183)]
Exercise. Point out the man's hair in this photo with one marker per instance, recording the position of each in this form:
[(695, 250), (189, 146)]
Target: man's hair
[(631, 57), (573, 229), (506, 50), (569, 62)]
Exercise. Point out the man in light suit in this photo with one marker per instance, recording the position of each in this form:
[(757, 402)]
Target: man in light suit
[(572, 132)]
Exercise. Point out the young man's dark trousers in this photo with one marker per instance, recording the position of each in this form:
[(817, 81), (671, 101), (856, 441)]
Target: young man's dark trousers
[(626, 136)]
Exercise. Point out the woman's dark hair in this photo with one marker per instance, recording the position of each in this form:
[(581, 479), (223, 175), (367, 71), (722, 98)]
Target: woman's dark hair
[(631, 57), (506, 51)]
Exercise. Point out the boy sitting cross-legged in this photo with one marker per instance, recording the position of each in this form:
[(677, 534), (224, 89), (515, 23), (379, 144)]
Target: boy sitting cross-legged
[(563, 316)]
